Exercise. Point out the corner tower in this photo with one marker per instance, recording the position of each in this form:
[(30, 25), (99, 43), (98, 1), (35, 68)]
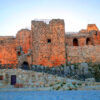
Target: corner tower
[(48, 43)]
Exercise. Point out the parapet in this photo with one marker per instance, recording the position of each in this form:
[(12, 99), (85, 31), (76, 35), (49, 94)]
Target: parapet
[(57, 21), (53, 21), (43, 24), (36, 23)]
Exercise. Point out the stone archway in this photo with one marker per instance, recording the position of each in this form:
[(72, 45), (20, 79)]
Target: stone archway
[(75, 42), (25, 65)]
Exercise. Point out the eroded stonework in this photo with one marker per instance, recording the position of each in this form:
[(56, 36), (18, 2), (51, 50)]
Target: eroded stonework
[(48, 45), (83, 46)]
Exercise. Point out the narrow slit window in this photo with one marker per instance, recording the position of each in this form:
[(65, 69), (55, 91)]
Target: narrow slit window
[(49, 40)]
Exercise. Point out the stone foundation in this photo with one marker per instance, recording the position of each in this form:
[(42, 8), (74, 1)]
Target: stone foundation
[(28, 78)]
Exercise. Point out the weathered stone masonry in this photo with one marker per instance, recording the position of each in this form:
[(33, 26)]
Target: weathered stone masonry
[(47, 45), (83, 46), (44, 45), (8, 54), (83, 54)]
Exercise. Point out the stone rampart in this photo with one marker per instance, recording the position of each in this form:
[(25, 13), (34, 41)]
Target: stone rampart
[(77, 54)]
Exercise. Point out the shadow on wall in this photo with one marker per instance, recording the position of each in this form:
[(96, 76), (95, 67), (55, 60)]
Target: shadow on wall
[(88, 41)]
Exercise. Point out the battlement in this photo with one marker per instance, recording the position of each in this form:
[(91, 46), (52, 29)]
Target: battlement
[(50, 22), (56, 22), (36, 23)]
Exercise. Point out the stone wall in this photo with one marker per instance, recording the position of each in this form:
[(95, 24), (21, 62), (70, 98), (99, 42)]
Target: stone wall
[(45, 41), (46, 81), (81, 41), (90, 36), (8, 53), (45, 44), (28, 78), (48, 44), (83, 54)]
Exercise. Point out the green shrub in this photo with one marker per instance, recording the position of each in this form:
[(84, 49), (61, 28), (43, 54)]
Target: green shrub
[(96, 72)]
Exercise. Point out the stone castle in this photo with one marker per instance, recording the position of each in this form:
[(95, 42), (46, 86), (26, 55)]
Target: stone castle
[(48, 45)]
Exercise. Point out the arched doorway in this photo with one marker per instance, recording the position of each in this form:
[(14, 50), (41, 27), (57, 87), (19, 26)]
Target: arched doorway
[(75, 42), (25, 66), (88, 41)]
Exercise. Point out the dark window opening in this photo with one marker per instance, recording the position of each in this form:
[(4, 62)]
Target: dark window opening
[(19, 53), (13, 79), (75, 42), (49, 40), (1, 77), (96, 33), (88, 41)]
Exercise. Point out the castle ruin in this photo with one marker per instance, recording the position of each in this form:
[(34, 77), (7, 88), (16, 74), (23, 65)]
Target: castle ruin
[(48, 45)]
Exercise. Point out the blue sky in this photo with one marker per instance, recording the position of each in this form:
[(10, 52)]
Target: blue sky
[(17, 14)]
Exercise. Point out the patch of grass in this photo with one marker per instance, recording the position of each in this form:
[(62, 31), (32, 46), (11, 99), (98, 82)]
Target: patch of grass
[(58, 88)]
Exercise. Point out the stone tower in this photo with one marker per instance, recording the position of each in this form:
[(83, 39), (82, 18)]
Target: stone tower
[(48, 43)]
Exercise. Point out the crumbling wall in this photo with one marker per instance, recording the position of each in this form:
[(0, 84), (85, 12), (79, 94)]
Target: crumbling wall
[(81, 41), (24, 39), (45, 44), (92, 27), (48, 43), (96, 37), (83, 54), (90, 36), (68, 41)]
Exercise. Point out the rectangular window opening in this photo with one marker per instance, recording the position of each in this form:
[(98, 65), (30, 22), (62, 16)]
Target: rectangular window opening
[(49, 40)]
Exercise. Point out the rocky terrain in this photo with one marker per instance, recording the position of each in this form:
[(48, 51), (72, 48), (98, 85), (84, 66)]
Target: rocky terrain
[(70, 77)]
